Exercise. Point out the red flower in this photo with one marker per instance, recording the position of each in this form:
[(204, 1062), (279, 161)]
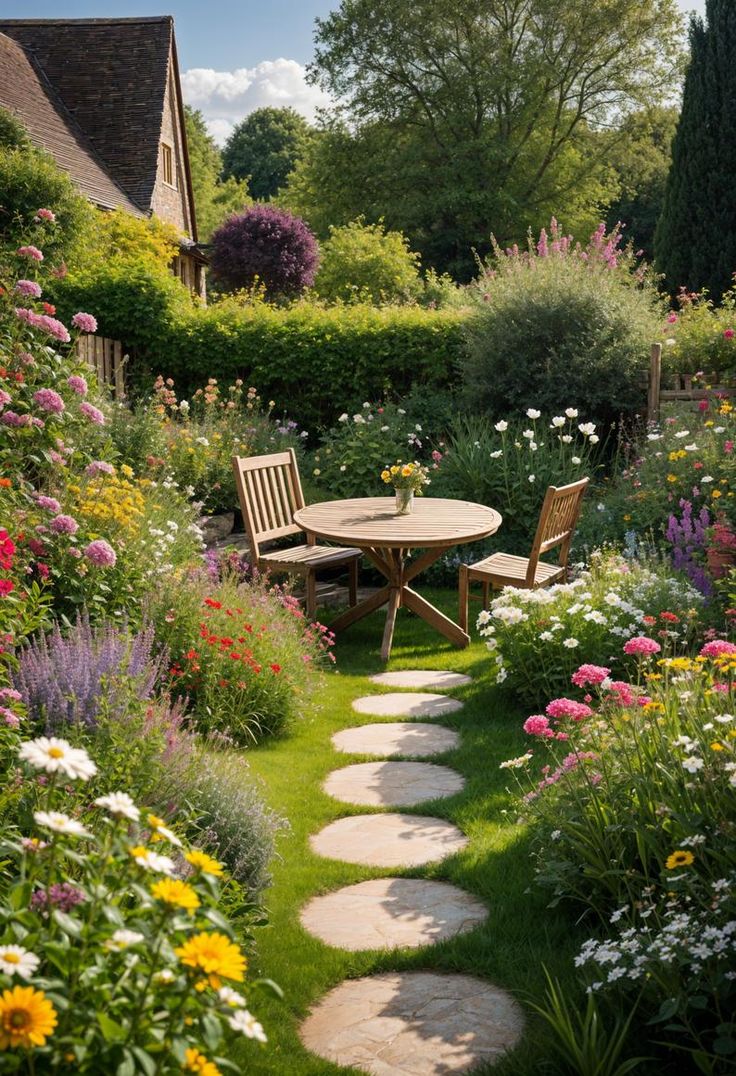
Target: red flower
[(671, 618), (191, 655), (650, 620), (5, 483), (276, 668), (235, 655), (49, 308), (6, 585), (212, 603)]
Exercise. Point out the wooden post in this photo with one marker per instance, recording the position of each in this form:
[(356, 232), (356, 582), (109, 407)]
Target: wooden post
[(655, 383)]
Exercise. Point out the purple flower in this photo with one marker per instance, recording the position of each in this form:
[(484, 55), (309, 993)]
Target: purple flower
[(99, 467), (43, 322), (30, 252), (92, 413), (101, 553), (64, 525), (63, 896), (11, 418), (85, 322), (50, 503), (49, 400), (77, 384), (29, 288)]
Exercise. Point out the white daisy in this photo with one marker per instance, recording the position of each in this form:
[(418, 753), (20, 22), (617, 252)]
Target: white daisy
[(119, 804), (15, 960), (57, 756), (121, 939), (244, 1021), (164, 976), (501, 426), (571, 412), (152, 861), (570, 643), (587, 428), (60, 823), (231, 997), (532, 413), (558, 420)]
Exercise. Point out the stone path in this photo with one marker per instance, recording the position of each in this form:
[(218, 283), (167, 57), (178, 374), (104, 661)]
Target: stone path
[(406, 704), (412, 738), (392, 784), (413, 1023), (389, 912)]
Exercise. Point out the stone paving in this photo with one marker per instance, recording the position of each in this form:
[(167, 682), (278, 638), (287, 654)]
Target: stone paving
[(416, 1023)]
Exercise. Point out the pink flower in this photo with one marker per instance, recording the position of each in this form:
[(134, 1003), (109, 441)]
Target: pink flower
[(576, 711), (590, 674), (49, 400), (671, 319), (27, 359), (77, 384), (729, 334), (99, 467), (30, 252), (50, 503), (538, 725), (436, 456), (43, 322), (92, 413), (643, 645), (101, 553), (11, 418), (64, 525), (623, 693), (45, 214), (85, 322), (29, 288), (73, 551), (4, 398), (728, 447), (10, 719), (717, 649)]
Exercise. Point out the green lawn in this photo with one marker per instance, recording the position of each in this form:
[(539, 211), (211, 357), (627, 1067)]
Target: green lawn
[(520, 934)]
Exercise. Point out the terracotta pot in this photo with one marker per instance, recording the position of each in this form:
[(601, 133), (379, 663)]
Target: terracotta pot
[(720, 561)]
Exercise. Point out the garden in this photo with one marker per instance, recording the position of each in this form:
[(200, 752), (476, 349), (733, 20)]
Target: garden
[(200, 870)]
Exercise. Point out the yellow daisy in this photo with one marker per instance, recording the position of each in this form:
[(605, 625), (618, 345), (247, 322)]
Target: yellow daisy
[(27, 1018), (204, 863), (175, 892), (679, 859), (215, 955)]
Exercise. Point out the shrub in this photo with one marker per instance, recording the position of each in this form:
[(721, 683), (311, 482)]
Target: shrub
[(572, 326), (264, 245), (362, 262), (539, 636), (701, 336)]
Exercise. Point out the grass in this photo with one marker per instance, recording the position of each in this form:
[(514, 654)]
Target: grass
[(521, 933)]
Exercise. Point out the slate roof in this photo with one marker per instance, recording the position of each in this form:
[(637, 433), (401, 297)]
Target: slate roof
[(26, 93)]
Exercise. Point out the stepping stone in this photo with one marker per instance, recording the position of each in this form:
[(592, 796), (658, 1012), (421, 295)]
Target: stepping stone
[(406, 704), (430, 679), (392, 784), (388, 840), (414, 1024), (396, 738), (386, 913)]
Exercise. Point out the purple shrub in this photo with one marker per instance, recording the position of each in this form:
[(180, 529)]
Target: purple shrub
[(265, 245), (68, 678), (688, 538)]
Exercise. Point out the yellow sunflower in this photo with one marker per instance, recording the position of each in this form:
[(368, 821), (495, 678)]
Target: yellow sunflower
[(679, 859), (215, 955), (205, 863), (173, 891), (194, 1061), (27, 1018)]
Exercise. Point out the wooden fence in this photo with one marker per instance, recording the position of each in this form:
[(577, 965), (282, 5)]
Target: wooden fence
[(684, 387), (107, 359)]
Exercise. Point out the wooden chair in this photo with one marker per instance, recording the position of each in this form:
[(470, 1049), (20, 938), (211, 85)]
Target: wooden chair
[(270, 492), (557, 522)]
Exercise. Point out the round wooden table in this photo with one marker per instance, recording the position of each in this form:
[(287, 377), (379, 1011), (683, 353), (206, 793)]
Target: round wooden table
[(371, 524)]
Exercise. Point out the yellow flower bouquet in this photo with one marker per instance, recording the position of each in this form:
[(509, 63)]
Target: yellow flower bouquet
[(407, 479)]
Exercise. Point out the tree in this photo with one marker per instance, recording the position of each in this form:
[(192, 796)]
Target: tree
[(266, 246), (695, 241), (214, 198), (641, 156), (486, 109), (366, 263), (265, 147)]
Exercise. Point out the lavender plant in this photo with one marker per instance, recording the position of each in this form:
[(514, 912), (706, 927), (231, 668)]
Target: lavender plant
[(688, 538)]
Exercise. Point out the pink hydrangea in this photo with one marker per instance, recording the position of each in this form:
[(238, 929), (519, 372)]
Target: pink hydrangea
[(44, 322), (642, 645), (92, 413), (10, 693), (11, 418), (9, 718), (538, 725), (86, 323), (77, 384), (4, 398), (717, 649), (576, 711), (590, 674), (73, 551), (45, 214), (49, 400), (101, 553), (30, 252), (49, 503), (64, 525), (29, 288), (99, 467)]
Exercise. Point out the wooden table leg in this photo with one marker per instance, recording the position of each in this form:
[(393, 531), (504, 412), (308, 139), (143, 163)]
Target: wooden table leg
[(433, 616), (388, 632), (357, 612)]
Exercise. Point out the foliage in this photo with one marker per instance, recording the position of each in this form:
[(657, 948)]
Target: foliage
[(537, 637), (362, 262), (264, 149), (701, 336), (695, 242), (29, 181), (574, 323), (214, 198), (267, 246), (112, 937), (497, 105)]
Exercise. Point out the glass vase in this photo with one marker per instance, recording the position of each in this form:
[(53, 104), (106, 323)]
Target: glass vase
[(404, 501)]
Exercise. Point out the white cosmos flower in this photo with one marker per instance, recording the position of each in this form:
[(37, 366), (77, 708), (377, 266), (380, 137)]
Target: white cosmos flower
[(495, 455), (343, 467), (529, 434), (343, 417), (501, 426), (57, 756), (15, 960), (682, 433), (119, 804), (558, 420), (594, 438), (166, 975), (706, 478), (384, 429), (358, 419), (546, 636), (532, 413), (163, 831), (245, 1022), (366, 406), (693, 764), (60, 823), (723, 719), (570, 643), (575, 460), (533, 446), (121, 939), (231, 997), (571, 412), (152, 861), (566, 438), (532, 477), (587, 428)]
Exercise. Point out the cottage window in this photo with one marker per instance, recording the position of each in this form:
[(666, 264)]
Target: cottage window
[(167, 160)]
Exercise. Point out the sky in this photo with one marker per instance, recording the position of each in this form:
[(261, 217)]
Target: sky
[(235, 55)]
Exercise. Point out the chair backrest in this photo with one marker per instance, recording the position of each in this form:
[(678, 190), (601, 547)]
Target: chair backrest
[(557, 522), (270, 492)]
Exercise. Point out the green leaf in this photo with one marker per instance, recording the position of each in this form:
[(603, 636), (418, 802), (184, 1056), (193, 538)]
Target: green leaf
[(67, 924), (126, 1066), (724, 1046), (19, 896), (145, 1060), (111, 1030)]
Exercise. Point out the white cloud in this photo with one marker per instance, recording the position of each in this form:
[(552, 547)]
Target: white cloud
[(226, 97)]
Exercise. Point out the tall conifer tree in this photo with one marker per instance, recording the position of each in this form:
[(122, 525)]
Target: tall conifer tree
[(695, 241)]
